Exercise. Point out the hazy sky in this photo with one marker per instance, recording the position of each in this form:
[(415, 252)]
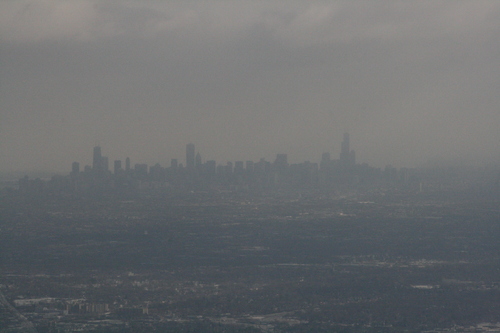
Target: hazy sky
[(411, 81)]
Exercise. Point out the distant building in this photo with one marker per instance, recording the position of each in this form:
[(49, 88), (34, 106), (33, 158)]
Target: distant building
[(75, 168), (281, 162), (352, 157), (210, 167), (325, 157), (325, 161), (127, 164), (344, 152), (117, 167), (229, 168), (97, 159), (198, 160), (249, 167), (141, 169), (190, 156), (174, 164), (104, 164), (239, 168), (156, 172), (347, 156)]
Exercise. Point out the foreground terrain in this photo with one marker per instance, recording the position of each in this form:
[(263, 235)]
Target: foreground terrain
[(229, 263)]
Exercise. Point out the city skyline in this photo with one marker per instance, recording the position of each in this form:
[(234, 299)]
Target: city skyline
[(96, 161), (193, 159)]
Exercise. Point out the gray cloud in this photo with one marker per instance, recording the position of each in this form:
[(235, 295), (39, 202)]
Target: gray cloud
[(410, 81)]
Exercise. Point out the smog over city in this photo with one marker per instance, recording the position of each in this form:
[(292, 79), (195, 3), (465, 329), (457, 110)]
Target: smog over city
[(249, 166)]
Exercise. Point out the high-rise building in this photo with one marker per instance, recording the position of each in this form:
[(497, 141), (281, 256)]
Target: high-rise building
[(347, 156), (117, 167), (325, 157), (249, 166), (75, 171), (141, 169), (352, 157), (344, 152), (190, 156), (156, 172), (104, 163), (281, 162), (127, 164), (198, 160), (210, 167), (97, 159), (229, 168), (75, 168), (174, 164), (326, 161), (239, 168)]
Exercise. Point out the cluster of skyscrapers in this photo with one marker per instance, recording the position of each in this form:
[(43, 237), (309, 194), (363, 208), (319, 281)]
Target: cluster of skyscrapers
[(337, 174), (196, 174)]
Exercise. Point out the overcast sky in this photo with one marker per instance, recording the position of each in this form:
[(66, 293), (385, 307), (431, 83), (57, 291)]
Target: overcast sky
[(413, 82)]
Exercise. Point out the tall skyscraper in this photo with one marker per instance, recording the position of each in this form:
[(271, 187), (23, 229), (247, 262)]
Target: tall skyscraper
[(345, 145), (347, 156), (190, 156), (117, 167), (325, 161), (198, 160), (97, 159), (344, 152), (127, 164)]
